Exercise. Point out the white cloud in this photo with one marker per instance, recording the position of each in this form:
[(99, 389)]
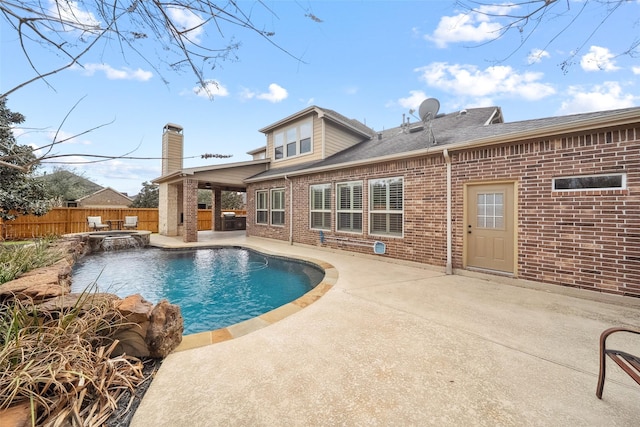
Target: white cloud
[(114, 74), (71, 14), (351, 90), (467, 27), (413, 101), (122, 175), (606, 96), (636, 70), (536, 55), (211, 89), (247, 94), (598, 59), (66, 137), (123, 169), (72, 161), (469, 80), (187, 21), (276, 93)]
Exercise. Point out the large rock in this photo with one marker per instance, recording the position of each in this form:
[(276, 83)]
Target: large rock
[(18, 415), (165, 329), (68, 302), (135, 309), (39, 284), (132, 336)]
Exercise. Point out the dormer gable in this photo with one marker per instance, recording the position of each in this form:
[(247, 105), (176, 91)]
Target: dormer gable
[(311, 134)]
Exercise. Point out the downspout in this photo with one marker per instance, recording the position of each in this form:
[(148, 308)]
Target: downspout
[(447, 159), (290, 209)]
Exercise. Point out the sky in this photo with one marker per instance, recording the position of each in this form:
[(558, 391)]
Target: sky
[(368, 60)]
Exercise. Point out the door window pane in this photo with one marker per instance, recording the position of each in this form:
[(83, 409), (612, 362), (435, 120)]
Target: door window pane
[(490, 210)]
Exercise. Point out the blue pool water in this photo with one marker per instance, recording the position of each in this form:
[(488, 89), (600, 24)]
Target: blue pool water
[(213, 287)]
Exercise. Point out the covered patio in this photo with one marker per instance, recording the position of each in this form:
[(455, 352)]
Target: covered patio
[(178, 187)]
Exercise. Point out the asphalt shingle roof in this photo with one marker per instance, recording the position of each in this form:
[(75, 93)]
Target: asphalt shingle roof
[(458, 127)]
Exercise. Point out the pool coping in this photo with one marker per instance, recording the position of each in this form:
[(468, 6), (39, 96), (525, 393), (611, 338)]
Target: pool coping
[(201, 339)]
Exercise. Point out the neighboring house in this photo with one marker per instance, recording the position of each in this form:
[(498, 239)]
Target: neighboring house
[(554, 200), (104, 198)]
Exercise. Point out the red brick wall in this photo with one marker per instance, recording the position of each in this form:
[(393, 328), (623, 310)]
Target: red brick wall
[(583, 239), (424, 207), (586, 239), (264, 230), (190, 203)]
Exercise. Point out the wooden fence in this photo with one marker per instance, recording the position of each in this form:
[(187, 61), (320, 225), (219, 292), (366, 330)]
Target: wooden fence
[(60, 221)]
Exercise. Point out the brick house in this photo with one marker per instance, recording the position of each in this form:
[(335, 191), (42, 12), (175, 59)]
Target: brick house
[(554, 200), (104, 198)]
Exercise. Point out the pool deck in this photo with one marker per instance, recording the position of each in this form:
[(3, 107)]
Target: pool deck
[(398, 343)]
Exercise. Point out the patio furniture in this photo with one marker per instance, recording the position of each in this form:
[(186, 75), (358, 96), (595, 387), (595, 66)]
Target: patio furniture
[(96, 223), (629, 363), (130, 222), (115, 224)]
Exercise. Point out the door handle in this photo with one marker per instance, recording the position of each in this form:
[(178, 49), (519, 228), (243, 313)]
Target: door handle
[(469, 229)]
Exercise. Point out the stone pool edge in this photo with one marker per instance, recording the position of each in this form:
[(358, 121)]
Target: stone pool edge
[(245, 327)]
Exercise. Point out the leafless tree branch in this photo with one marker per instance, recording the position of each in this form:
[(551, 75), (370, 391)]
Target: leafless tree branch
[(529, 16), (71, 29)]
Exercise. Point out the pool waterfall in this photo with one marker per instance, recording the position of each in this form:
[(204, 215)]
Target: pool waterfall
[(118, 240)]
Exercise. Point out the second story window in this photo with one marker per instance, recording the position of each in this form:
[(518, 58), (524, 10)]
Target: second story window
[(278, 145), (293, 141)]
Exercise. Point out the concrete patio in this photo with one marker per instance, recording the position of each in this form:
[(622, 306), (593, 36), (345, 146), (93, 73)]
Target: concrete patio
[(396, 343)]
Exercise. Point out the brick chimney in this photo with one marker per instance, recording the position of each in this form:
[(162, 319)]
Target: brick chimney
[(172, 148)]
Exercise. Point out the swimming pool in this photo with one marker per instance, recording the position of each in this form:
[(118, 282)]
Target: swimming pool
[(214, 287)]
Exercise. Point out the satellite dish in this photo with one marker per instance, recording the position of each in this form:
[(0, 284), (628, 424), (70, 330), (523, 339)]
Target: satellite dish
[(428, 109)]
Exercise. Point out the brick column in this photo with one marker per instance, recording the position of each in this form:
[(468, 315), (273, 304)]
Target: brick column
[(190, 207), (216, 210)]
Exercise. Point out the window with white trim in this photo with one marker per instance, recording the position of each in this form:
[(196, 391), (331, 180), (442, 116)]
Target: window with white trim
[(614, 181), (278, 145), (320, 206), (349, 206), (293, 141), (385, 206), (277, 206), (262, 212)]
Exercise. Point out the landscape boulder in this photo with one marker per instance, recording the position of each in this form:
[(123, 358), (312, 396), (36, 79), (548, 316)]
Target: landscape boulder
[(18, 415), (132, 335), (165, 329)]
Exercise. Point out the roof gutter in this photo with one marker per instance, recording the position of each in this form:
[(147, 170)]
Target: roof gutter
[(170, 177), (580, 125)]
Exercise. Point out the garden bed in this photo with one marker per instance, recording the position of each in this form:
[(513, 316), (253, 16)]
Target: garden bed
[(66, 359)]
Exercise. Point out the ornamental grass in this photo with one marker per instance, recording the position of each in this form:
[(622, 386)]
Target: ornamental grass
[(18, 259), (60, 362)]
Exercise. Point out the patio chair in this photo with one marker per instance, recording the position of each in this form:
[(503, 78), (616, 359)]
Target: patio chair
[(95, 222), (130, 222), (629, 363)]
